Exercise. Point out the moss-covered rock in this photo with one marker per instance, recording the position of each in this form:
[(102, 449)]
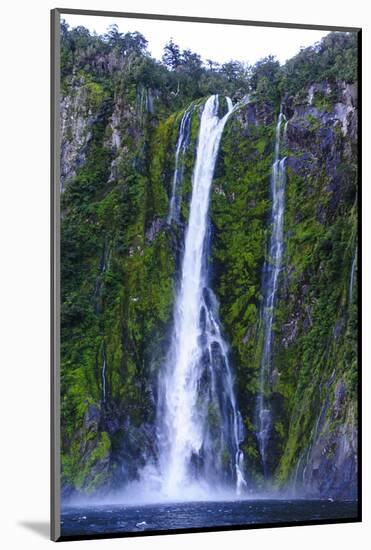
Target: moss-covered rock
[(121, 261)]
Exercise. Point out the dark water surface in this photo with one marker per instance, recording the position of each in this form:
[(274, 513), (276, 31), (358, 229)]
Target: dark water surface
[(187, 515)]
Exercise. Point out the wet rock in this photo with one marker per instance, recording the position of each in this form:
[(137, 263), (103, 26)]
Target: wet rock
[(331, 463), (156, 226), (92, 418), (76, 123), (275, 376), (340, 393), (290, 331), (338, 328)]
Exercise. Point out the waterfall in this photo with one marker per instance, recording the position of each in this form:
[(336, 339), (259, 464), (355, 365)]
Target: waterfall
[(271, 272), (352, 274), (104, 378), (199, 428), (181, 147)]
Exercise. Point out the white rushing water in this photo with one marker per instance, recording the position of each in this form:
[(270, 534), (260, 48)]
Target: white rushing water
[(272, 269), (199, 427), (181, 147)]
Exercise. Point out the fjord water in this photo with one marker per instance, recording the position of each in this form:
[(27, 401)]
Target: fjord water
[(271, 273), (198, 424), (122, 518)]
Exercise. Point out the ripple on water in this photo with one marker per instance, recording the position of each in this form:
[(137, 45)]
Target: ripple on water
[(77, 521)]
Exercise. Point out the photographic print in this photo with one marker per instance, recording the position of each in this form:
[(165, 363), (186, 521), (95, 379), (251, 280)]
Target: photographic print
[(205, 200)]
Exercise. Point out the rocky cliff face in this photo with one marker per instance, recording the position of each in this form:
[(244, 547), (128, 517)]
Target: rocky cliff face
[(121, 261), (76, 121), (314, 440), (328, 464)]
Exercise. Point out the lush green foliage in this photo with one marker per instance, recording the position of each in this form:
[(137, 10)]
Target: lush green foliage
[(120, 259)]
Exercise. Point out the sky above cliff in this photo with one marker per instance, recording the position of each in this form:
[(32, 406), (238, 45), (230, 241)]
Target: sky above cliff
[(218, 42)]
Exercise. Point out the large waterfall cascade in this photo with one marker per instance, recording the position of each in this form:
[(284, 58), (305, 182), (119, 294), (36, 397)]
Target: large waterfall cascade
[(199, 427), (271, 273)]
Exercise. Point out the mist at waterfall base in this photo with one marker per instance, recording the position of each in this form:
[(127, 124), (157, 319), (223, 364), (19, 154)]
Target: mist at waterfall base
[(198, 478)]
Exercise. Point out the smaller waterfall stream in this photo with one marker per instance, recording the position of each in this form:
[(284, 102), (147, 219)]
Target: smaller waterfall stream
[(181, 147), (104, 378), (271, 272), (352, 274)]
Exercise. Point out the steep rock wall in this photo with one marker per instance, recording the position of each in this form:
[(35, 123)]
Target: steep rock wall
[(313, 446), (121, 262)]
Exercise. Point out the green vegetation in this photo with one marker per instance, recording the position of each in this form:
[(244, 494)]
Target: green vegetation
[(120, 259)]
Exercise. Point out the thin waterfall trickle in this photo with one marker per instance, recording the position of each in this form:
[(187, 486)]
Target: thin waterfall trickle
[(199, 428), (285, 131), (104, 378), (181, 147), (352, 274), (271, 272)]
